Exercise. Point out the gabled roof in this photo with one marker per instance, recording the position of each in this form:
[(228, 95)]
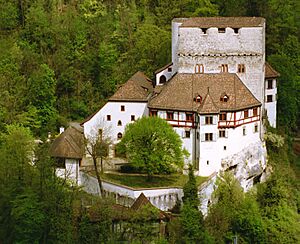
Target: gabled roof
[(223, 22), (140, 202), (69, 144), (208, 106), (136, 89), (163, 68), (178, 94), (270, 72)]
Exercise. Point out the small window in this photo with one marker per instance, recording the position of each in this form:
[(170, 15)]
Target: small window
[(122, 108), (60, 163), (241, 68), (255, 128), (132, 117), (221, 30), (199, 69), (246, 114), (187, 134), (120, 135), (198, 135), (255, 112), (270, 84), (153, 113), (162, 79), (225, 148), (224, 68), (198, 99), (222, 117), (236, 30), (170, 69), (207, 162), (189, 117), (170, 115), (108, 117), (222, 134), (208, 120), (204, 30), (119, 123), (244, 131), (269, 98), (224, 98), (208, 136)]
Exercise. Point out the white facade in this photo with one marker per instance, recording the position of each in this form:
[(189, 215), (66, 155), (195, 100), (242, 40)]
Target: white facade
[(113, 118), (70, 171), (271, 101)]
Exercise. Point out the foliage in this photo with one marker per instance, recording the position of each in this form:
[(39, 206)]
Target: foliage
[(274, 139), (152, 145)]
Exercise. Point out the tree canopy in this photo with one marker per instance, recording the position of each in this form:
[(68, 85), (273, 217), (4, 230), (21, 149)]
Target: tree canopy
[(152, 145)]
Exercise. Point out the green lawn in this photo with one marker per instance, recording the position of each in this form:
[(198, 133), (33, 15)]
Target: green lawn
[(141, 181)]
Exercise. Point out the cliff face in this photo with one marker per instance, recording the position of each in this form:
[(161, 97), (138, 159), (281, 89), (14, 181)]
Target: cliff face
[(249, 167)]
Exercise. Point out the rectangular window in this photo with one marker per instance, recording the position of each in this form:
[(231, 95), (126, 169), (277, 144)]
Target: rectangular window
[(122, 108), (255, 112), (222, 134), (221, 30), (222, 117), (108, 117), (189, 117), (132, 117), (244, 131), (199, 69), (270, 84), (208, 136), (187, 134), (269, 98), (208, 120), (246, 114), (255, 128), (170, 69), (241, 68), (153, 113), (170, 115), (224, 68)]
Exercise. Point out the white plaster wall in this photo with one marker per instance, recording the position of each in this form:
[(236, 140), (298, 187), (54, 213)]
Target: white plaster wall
[(111, 128), (166, 73), (271, 107), (213, 151), (187, 143), (71, 171)]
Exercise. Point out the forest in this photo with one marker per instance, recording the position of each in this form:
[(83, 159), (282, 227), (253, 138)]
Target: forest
[(60, 60)]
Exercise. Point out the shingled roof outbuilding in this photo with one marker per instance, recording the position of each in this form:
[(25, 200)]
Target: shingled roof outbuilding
[(69, 144), (180, 92)]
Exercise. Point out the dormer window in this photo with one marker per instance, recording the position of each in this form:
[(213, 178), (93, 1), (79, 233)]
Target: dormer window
[(224, 98), (198, 99)]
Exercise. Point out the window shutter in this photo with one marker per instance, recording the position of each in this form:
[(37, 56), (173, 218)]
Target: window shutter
[(226, 133), (183, 134), (214, 120), (202, 120), (202, 136), (215, 136)]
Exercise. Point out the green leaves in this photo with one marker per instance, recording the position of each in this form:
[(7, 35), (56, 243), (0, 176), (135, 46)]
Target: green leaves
[(152, 145)]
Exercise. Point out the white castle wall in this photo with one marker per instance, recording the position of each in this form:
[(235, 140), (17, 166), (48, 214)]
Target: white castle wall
[(214, 49), (271, 106), (111, 128)]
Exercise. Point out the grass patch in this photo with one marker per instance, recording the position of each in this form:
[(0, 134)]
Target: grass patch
[(141, 181)]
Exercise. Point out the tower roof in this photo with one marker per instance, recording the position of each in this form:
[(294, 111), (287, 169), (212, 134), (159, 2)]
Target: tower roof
[(270, 72), (223, 22)]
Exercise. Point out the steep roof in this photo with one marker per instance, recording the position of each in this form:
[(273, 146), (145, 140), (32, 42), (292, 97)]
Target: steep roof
[(179, 93), (69, 144), (223, 22), (270, 72), (137, 88), (163, 68)]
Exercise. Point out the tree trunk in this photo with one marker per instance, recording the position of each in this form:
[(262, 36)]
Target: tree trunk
[(101, 165), (98, 176)]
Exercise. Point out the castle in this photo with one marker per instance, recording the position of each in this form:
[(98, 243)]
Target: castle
[(215, 93)]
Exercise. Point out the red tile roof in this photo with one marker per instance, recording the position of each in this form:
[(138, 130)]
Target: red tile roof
[(270, 72)]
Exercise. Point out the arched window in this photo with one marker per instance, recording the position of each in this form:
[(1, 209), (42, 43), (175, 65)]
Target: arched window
[(119, 123), (162, 79), (199, 69), (120, 135)]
